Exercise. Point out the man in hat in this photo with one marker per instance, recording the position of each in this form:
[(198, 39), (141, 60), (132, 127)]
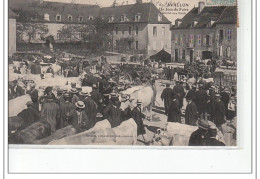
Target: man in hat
[(138, 116), (179, 91), (50, 70), (74, 94), (28, 115), (17, 71), (17, 90), (60, 97), (225, 98), (96, 96), (211, 102), (34, 96), (191, 93), (166, 97), (200, 136), (201, 98), (174, 114), (78, 118), (65, 108), (191, 113), (90, 106), (219, 118), (212, 137), (50, 112), (112, 113), (127, 113), (10, 91)]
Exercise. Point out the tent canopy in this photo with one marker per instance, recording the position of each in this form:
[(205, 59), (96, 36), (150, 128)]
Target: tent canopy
[(162, 56)]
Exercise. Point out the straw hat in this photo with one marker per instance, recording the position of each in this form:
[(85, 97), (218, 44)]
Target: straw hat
[(80, 104), (203, 124)]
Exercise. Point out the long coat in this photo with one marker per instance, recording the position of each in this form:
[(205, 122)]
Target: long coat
[(167, 96), (174, 112), (74, 99), (201, 101), (191, 94), (50, 113), (90, 108), (113, 115), (199, 138), (80, 121), (179, 90), (97, 97), (65, 109), (137, 115), (219, 113), (191, 114)]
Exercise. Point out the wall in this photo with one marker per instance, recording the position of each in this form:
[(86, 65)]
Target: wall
[(228, 43), (197, 49), (141, 37), (12, 37), (161, 40)]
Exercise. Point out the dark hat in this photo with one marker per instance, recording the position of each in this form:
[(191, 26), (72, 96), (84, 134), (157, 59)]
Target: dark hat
[(203, 124), (59, 91), (167, 84), (29, 103), (74, 91), (138, 102), (49, 97), (15, 81), (73, 84)]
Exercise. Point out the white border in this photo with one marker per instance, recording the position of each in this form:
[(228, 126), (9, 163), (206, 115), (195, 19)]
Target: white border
[(143, 160)]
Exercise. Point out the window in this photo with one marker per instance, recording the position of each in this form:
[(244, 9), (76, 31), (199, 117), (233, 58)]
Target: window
[(90, 17), (176, 38), (207, 39), (159, 17), (58, 17), (137, 17), (228, 53), (181, 39), (58, 36), (130, 30), (154, 31), (80, 18), (123, 18), (229, 34), (191, 40), (46, 17), (198, 53), (199, 39), (111, 19), (136, 30), (163, 31), (221, 35), (69, 17), (136, 45), (183, 54), (129, 45), (221, 51), (116, 30)]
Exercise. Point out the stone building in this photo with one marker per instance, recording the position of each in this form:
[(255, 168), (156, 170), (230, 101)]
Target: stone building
[(206, 32), (134, 28)]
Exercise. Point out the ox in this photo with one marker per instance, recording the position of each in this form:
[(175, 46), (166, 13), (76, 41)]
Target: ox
[(64, 132), (38, 130), (145, 94), (176, 134), (102, 134)]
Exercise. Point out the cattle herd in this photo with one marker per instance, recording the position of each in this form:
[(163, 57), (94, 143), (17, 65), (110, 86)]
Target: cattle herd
[(82, 102)]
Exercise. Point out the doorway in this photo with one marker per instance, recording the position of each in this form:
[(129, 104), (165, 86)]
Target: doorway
[(191, 56), (176, 55)]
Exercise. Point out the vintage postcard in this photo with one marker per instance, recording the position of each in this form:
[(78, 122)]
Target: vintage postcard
[(116, 72)]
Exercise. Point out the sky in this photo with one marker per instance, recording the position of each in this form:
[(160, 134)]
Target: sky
[(176, 8)]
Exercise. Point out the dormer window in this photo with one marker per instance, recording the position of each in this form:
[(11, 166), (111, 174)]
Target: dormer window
[(137, 17), (123, 18), (80, 19), (58, 17), (90, 17), (159, 17), (46, 17), (210, 23), (194, 23), (177, 23), (70, 18), (111, 18)]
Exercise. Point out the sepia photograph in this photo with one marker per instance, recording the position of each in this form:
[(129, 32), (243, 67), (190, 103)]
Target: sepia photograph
[(122, 73)]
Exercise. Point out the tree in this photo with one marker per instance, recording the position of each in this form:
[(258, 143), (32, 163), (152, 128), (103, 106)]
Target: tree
[(30, 30)]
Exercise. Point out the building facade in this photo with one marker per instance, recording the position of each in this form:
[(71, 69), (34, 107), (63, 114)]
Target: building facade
[(205, 33), (134, 28)]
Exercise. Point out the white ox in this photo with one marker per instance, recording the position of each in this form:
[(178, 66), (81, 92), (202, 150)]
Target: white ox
[(56, 68), (145, 94), (177, 134), (103, 134)]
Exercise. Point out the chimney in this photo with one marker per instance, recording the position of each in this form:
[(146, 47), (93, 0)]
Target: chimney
[(201, 7), (139, 2)]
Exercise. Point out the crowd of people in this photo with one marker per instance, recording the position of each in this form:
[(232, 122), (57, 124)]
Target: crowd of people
[(203, 104)]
